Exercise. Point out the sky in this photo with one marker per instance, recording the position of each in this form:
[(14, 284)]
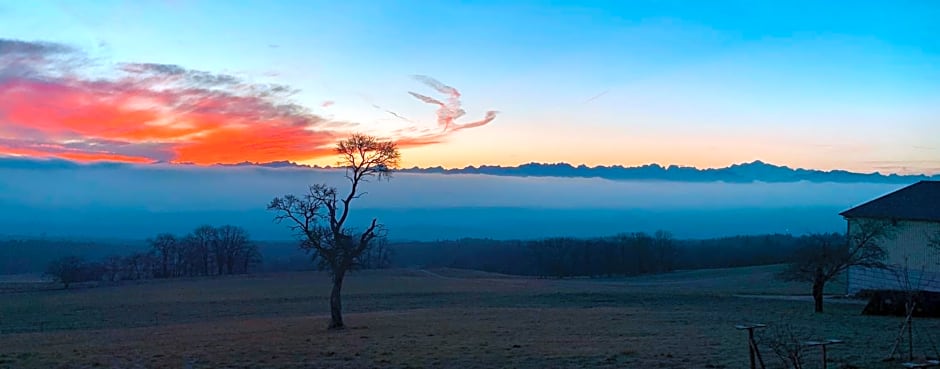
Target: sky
[(825, 85)]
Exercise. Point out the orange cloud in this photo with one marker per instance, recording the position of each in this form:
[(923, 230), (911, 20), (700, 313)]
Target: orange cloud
[(50, 151), (154, 112)]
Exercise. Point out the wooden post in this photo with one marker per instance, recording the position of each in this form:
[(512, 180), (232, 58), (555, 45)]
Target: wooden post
[(823, 345), (750, 347), (908, 326), (753, 352), (910, 332)]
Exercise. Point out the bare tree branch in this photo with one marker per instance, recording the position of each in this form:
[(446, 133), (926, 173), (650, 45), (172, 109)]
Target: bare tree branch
[(825, 256), (319, 218)]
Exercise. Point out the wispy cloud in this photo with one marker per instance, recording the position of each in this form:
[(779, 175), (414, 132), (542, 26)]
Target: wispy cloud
[(595, 97), (57, 102), (447, 113), (905, 166)]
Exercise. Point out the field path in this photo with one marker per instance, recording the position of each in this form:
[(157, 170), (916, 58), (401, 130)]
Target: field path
[(835, 299), (433, 274)]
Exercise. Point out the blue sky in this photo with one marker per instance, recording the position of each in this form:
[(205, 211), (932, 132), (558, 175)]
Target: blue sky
[(851, 85)]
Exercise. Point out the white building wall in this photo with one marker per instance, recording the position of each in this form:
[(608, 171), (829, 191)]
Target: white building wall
[(908, 250), (860, 278)]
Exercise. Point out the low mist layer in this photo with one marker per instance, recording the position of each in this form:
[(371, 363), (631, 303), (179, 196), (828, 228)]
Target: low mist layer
[(123, 201)]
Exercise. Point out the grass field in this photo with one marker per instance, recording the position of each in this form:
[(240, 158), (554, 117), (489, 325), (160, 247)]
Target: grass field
[(432, 319)]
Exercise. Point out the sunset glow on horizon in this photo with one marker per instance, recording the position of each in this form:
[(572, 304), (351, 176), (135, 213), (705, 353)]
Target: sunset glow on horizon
[(851, 87)]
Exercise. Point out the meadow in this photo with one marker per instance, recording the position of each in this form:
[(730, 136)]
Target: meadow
[(441, 318)]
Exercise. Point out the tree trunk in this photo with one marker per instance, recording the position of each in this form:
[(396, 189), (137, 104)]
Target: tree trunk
[(336, 304), (818, 286)]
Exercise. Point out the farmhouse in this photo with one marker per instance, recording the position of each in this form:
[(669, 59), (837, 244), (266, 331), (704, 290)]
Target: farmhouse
[(913, 213)]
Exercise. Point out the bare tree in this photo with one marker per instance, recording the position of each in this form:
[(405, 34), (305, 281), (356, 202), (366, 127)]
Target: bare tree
[(188, 256), (164, 245), (206, 239), (787, 342), (665, 250), (251, 256), (113, 266), (232, 244), (378, 256), (319, 216), (73, 269), (139, 265), (825, 256)]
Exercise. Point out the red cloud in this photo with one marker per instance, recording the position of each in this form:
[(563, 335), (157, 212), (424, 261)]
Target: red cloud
[(198, 126), (153, 112), (72, 155)]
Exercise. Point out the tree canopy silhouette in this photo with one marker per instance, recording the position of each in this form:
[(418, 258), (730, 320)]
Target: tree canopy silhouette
[(825, 256), (319, 216)]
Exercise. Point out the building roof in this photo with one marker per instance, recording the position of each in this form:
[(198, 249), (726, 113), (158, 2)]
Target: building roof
[(919, 201)]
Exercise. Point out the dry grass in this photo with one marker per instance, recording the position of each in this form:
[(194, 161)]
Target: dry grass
[(415, 319)]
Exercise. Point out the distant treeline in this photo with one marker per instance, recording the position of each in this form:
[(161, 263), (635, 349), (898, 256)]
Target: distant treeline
[(227, 250), (623, 254), (32, 255), (206, 251)]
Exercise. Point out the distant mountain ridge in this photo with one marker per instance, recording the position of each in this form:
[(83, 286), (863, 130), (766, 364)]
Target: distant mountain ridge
[(756, 171), (745, 172)]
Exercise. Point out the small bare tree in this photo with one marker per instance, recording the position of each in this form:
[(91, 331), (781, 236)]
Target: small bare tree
[(912, 287), (787, 343), (319, 216), (825, 256), (73, 269)]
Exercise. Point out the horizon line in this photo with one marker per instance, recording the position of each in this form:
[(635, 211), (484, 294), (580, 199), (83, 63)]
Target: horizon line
[(287, 163)]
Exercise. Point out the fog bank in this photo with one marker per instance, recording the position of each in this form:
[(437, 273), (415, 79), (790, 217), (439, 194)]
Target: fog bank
[(137, 201)]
